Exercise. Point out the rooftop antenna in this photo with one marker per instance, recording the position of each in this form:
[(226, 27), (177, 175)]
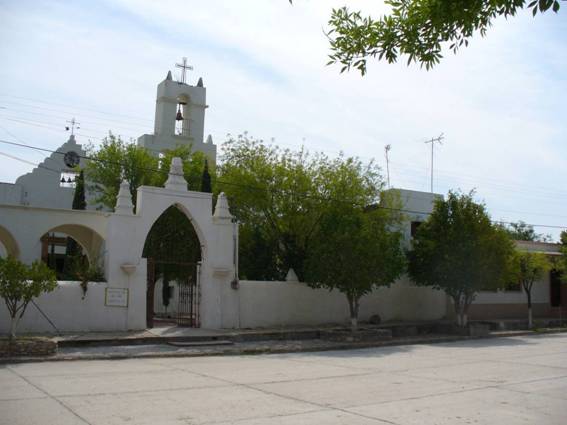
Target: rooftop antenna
[(433, 141), (386, 151), (74, 124)]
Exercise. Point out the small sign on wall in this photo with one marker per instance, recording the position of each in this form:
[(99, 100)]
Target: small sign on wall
[(116, 297)]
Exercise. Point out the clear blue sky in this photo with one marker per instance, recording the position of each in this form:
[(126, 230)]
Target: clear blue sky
[(501, 102)]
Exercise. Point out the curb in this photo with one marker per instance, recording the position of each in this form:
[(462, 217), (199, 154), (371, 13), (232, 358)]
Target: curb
[(243, 351)]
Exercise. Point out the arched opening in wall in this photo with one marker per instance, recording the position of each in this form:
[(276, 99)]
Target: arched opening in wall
[(8, 245), (74, 252), (173, 252), (182, 117)]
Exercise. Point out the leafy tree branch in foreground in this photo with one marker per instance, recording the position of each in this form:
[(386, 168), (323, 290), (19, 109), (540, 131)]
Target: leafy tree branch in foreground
[(417, 29)]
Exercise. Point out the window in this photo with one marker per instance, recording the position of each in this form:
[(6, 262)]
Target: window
[(414, 226), (555, 288), (68, 179)]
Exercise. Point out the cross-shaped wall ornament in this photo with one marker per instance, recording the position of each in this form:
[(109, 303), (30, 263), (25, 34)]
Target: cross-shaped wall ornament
[(74, 125), (184, 67)]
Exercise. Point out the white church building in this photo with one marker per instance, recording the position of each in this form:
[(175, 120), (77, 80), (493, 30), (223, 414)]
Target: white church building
[(39, 204)]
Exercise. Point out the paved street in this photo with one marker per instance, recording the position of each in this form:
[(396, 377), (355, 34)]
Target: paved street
[(519, 380)]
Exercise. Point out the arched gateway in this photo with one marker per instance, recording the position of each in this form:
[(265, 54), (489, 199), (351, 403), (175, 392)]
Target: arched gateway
[(173, 254), (216, 234)]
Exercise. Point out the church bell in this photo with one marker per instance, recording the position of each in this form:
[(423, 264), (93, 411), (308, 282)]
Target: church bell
[(179, 116)]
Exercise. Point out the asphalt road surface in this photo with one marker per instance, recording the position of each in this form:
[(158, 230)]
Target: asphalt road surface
[(519, 380)]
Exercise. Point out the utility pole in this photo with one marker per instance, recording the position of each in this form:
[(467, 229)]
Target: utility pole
[(433, 141), (386, 150)]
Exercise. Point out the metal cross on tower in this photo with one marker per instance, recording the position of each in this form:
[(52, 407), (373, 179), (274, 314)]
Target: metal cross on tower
[(74, 124), (432, 141), (184, 67), (386, 151)]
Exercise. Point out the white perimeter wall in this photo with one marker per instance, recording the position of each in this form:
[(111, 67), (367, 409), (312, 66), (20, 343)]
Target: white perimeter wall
[(69, 312), (272, 304), (540, 294)]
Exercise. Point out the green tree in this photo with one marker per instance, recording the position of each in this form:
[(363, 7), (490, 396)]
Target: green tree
[(417, 29), (20, 283), (356, 250), (193, 165), (527, 268), (562, 262), (521, 231), (116, 160), (79, 200), (74, 257), (206, 185), (460, 251), (257, 256), (279, 196)]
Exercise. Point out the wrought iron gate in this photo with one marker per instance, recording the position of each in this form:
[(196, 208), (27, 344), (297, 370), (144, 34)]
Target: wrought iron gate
[(189, 294), (189, 299)]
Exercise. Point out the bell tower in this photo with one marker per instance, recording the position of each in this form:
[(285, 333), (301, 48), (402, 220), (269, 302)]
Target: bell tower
[(180, 116)]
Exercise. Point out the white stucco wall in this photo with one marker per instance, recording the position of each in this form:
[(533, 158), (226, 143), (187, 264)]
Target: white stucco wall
[(66, 308), (169, 92), (540, 294), (11, 193), (269, 304), (124, 235), (541, 289), (25, 225), (41, 188)]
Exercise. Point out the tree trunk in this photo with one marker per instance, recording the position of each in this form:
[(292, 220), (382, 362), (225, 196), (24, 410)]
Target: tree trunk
[(460, 310), (466, 304), (457, 312), (13, 326), (353, 308), (529, 295)]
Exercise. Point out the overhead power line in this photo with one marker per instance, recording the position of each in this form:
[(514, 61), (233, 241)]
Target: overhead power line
[(23, 110), (136, 126), (75, 107), (20, 140), (263, 189), (25, 161)]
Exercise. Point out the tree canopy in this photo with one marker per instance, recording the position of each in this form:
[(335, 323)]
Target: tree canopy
[(526, 269), (521, 231), (279, 197), (356, 249), (115, 160), (460, 251), (417, 29), (20, 283), (563, 249)]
